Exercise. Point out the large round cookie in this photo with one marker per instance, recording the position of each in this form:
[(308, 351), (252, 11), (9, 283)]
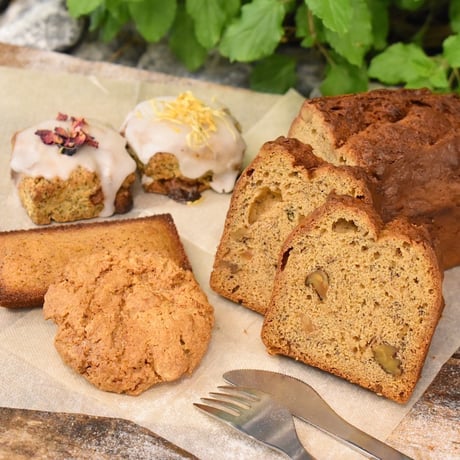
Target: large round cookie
[(127, 321)]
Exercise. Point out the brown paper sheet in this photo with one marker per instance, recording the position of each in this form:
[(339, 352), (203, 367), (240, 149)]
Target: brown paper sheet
[(33, 375)]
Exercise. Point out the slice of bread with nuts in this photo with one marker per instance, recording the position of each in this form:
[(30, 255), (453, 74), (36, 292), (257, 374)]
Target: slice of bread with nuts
[(356, 297), (283, 184)]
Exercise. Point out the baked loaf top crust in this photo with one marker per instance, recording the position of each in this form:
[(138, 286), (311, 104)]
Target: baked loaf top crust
[(409, 143), (71, 183), (356, 298), (205, 143), (30, 260), (129, 320), (282, 185)]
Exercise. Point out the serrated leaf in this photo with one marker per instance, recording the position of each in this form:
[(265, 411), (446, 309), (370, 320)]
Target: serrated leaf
[(81, 7), (344, 78), (153, 18), (209, 17), (274, 74), (256, 33), (335, 14), (183, 42), (354, 45), (451, 50), (454, 15), (406, 63)]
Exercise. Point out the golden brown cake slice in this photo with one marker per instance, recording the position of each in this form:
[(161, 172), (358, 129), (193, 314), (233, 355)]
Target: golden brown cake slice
[(409, 143), (70, 169), (356, 298), (30, 260), (283, 184), (129, 319), (184, 145)]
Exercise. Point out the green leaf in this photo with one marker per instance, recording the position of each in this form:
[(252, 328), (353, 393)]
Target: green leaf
[(183, 42), (354, 45), (407, 63), (454, 15), (256, 33), (210, 17), (81, 7), (310, 30), (274, 74), (380, 22), (97, 18), (110, 27), (451, 50), (410, 5), (344, 78), (335, 14), (153, 18)]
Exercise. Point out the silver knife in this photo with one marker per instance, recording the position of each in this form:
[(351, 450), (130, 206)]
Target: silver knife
[(305, 403)]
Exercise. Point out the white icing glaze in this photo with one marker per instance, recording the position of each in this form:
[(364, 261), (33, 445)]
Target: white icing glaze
[(111, 161), (222, 153)]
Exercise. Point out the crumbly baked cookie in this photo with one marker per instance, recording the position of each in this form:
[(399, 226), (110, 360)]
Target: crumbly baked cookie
[(184, 146), (356, 298), (129, 320), (70, 169), (409, 143), (282, 185)]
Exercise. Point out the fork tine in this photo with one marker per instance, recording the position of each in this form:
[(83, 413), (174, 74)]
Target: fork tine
[(223, 404), (247, 392), (217, 413), (240, 400)]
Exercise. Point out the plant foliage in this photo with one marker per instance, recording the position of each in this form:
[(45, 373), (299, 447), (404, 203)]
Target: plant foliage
[(412, 43)]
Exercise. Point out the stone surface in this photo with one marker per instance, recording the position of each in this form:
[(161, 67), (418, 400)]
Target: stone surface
[(42, 24)]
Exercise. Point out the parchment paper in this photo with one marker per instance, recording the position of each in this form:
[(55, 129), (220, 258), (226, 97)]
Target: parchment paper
[(33, 375)]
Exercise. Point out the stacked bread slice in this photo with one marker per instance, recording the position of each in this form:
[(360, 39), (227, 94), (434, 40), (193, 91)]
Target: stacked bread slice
[(343, 255), (283, 184)]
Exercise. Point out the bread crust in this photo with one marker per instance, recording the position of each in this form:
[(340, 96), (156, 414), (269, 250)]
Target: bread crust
[(31, 259)]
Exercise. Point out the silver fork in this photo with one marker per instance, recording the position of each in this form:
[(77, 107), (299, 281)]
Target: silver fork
[(255, 413)]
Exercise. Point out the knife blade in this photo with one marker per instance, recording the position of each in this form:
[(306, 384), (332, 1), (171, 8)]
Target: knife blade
[(305, 403)]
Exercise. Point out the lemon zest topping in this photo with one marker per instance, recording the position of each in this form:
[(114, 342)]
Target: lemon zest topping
[(188, 110)]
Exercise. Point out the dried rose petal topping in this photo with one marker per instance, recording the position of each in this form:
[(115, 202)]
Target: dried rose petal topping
[(69, 140)]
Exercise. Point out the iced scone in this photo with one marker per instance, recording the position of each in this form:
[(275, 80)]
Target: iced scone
[(69, 169), (183, 146)]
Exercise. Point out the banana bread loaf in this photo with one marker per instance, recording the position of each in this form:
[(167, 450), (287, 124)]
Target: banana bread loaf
[(356, 298), (409, 143), (282, 185)]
